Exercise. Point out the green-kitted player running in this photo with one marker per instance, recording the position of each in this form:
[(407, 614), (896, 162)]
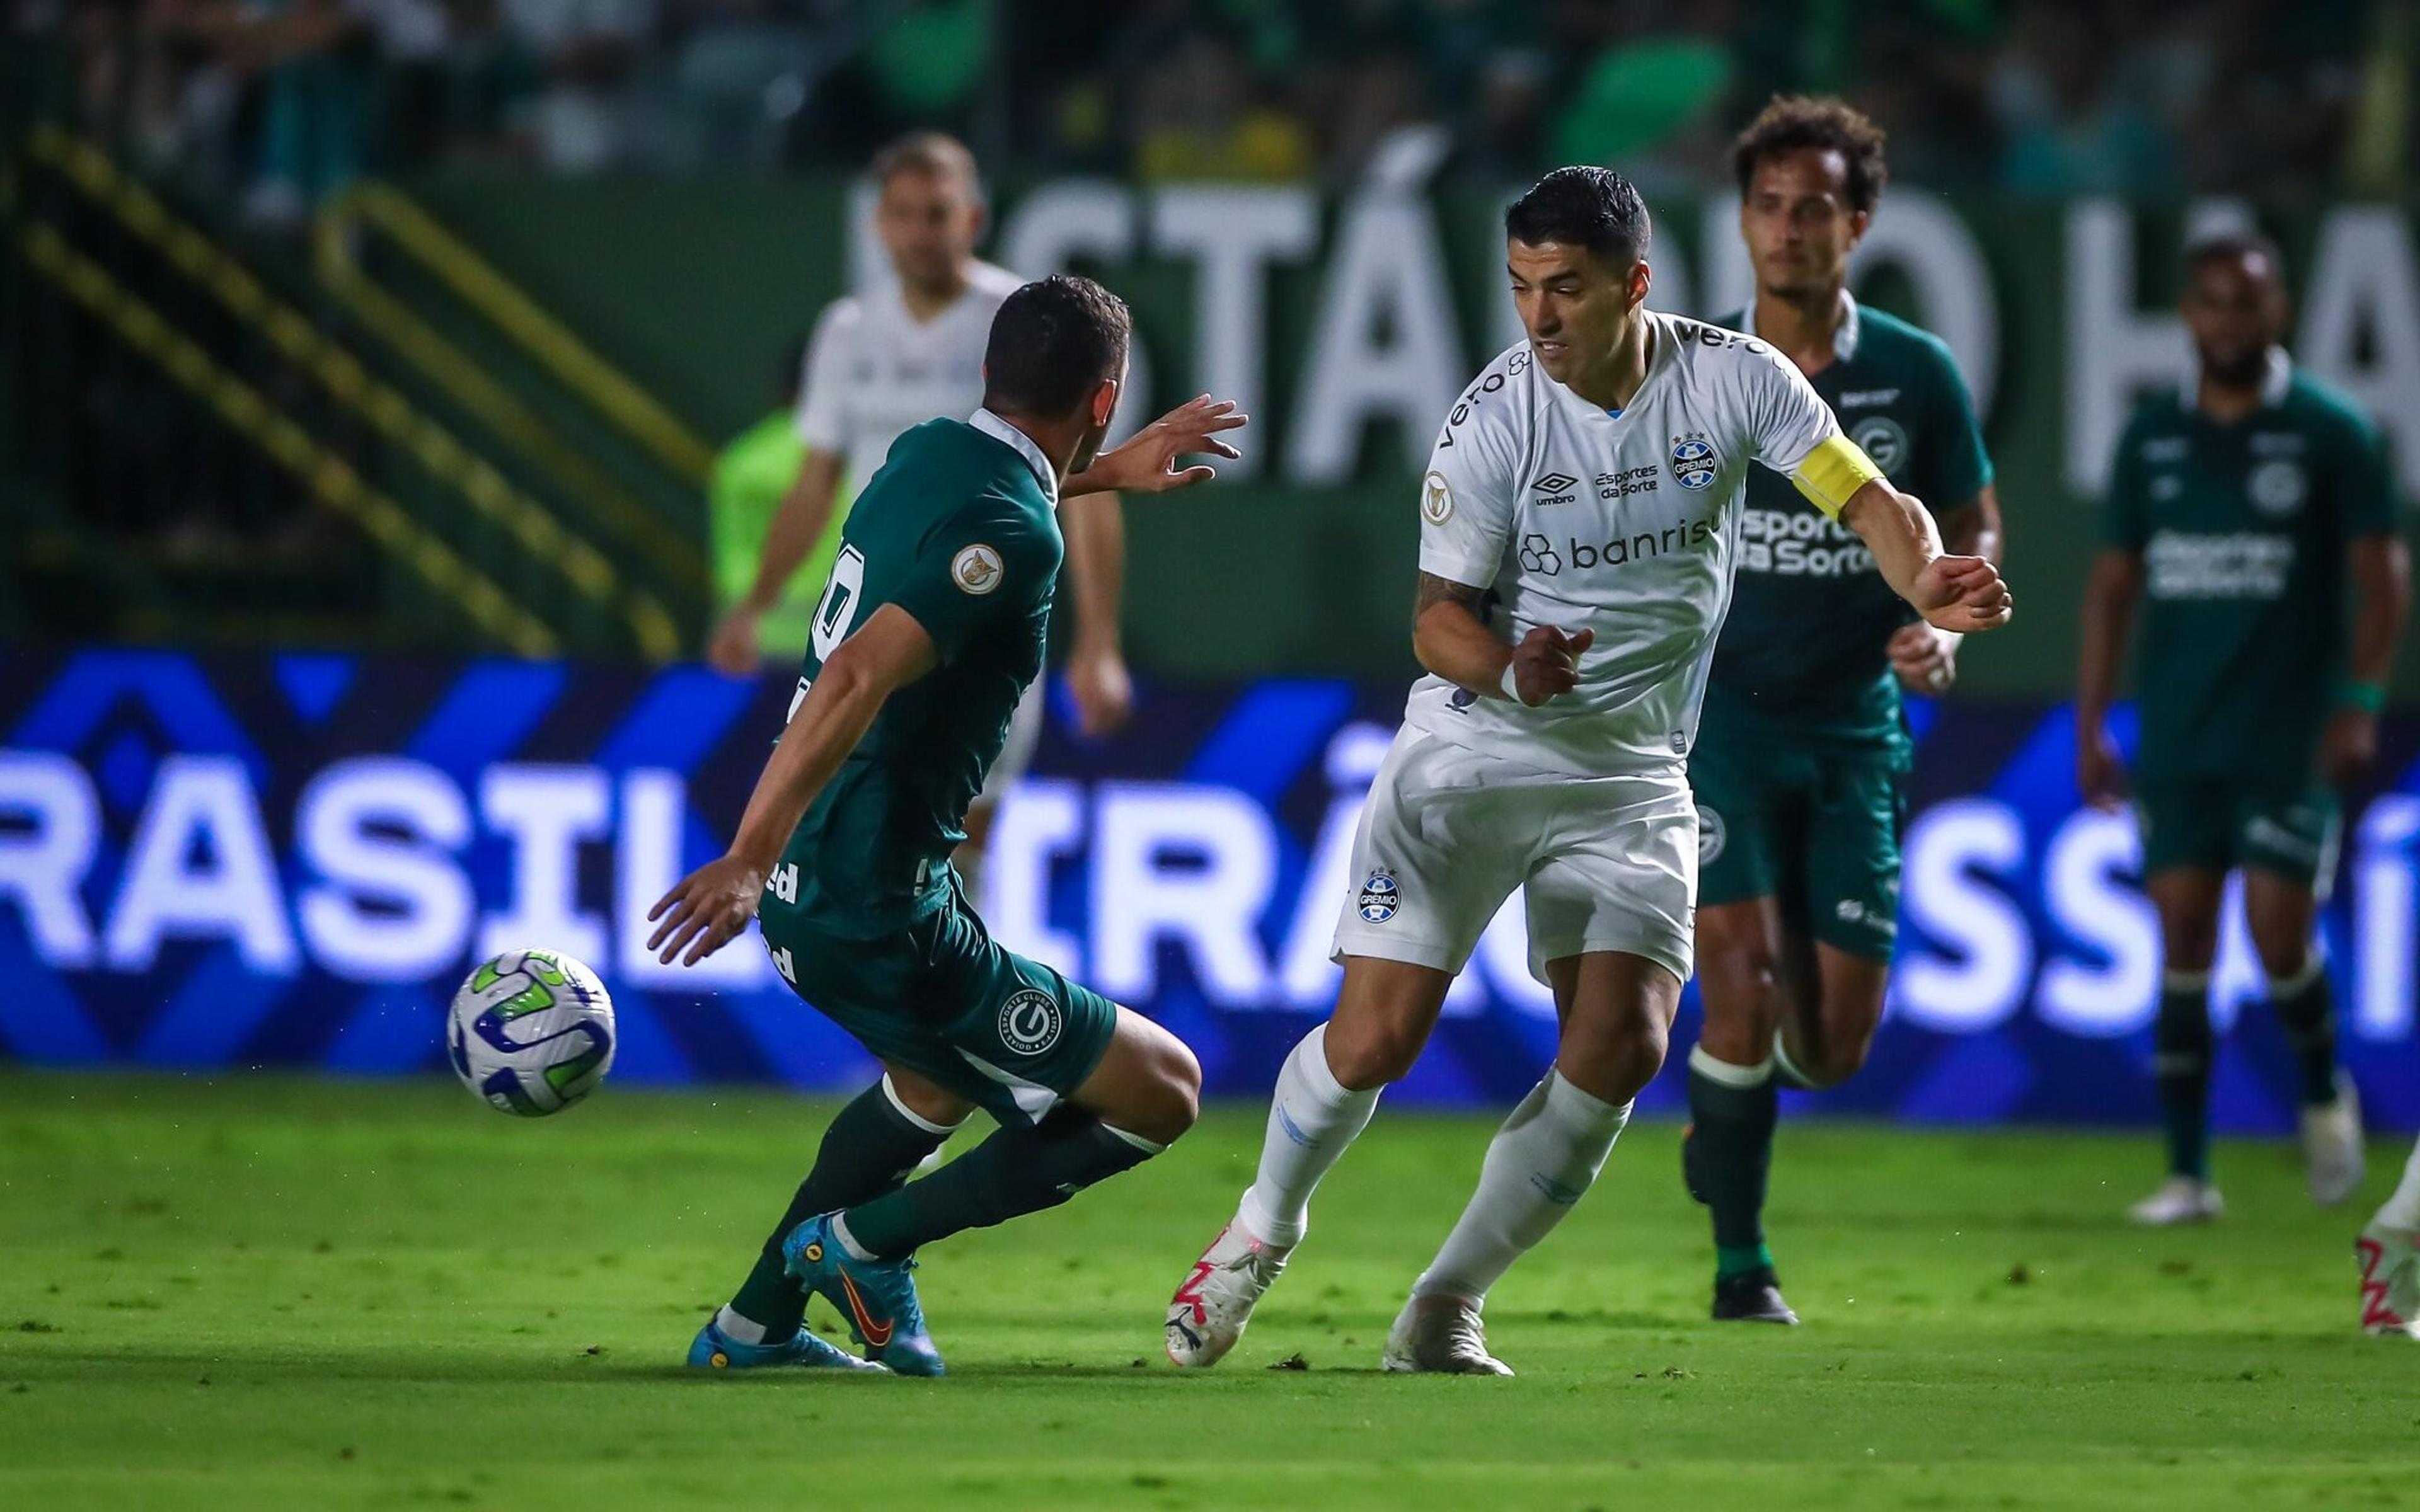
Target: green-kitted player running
[(1801, 747), (2242, 508), (927, 635)]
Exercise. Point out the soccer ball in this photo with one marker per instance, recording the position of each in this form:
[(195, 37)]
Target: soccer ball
[(532, 1032)]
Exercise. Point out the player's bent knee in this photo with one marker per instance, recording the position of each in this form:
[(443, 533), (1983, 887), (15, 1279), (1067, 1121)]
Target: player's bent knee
[(1614, 1058), (1373, 1051), (1149, 1085)]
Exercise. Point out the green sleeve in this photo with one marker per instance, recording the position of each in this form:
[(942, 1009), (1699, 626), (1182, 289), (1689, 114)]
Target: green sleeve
[(2365, 495), (1964, 467), (976, 569), (2124, 524)]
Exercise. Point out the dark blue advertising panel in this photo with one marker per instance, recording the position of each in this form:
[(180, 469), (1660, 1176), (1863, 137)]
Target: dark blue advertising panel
[(291, 860)]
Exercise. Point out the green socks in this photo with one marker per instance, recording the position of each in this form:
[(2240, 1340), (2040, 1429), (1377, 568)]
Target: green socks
[(1733, 1110), (2306, 1006), (2181, 1060), (1014, 1172), (869, 1149)]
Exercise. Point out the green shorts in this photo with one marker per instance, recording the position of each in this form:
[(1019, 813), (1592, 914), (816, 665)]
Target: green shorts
[(1812, 822), (2290, 828), (942, 999)]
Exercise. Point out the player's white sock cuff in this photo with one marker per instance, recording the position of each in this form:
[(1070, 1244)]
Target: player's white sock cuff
[(900, 1105), (1703, 1063), (1137, 1140), (1584, 1111), (847, 1240), (738, 1330), (1309, 1062)]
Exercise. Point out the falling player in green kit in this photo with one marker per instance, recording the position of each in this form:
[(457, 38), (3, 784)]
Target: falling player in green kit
[(2244, 509), (928, 633), (1801, 746)]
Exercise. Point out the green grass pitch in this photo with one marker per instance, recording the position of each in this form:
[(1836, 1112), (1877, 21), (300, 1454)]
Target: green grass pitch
[(269, 1293)]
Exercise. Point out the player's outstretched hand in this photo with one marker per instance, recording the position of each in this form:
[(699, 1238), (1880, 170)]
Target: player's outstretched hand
[(1546, 663), (733, 650), (1147, 462), (706, 911), (1964, 595), (1925, 659), (2100, 772)]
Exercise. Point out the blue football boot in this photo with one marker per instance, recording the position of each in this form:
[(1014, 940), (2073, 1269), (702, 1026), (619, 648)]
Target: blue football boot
[(878, 1297), (712, 1349)]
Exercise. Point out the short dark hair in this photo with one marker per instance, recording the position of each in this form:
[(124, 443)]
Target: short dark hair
[(1794, 122), (1583, 207), (1052, 343), (933, 153), (2229, 246)]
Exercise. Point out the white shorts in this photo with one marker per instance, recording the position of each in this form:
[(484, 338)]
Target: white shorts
[(1608, 863), (1024, 734)]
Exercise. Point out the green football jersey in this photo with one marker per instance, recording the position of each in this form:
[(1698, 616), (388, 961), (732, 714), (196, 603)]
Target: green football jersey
[(959, 529), (1810, 616), (2242, 530)]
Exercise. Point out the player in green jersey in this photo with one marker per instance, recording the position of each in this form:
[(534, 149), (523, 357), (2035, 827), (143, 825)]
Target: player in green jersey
[(1801, 747), (928, 634), (2242, 510)]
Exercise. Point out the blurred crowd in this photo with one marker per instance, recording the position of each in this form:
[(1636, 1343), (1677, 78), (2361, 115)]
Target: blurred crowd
[(280, 100)]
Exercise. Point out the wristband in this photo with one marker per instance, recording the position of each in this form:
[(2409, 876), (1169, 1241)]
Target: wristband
[(2369, 697), (1512, 685)]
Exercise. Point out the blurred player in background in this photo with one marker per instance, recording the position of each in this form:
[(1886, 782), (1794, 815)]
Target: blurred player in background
[(753, 475), (1802, 746), (1579, 521), (898, 355), (928, 635), (2245, 508)]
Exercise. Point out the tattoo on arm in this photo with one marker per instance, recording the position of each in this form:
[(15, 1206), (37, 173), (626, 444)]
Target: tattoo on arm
[(1435, 590)]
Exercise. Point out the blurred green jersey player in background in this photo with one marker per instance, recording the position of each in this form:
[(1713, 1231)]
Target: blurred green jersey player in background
[(1801, 747), (926, 638), (2243, 510)]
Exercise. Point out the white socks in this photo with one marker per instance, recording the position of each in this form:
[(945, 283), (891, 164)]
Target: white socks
[(1538, 1164), (2403, 1210), (1313, 1120)]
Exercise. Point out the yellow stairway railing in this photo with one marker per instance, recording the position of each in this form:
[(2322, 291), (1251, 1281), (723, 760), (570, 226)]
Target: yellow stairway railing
[(444, 457), (576, 367), (330, 478)]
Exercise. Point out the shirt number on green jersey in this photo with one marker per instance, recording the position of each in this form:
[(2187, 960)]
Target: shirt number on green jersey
[(838, 610)]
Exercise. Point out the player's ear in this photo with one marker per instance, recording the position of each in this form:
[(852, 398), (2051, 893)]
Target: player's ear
[(1105, 401), (1858, 220), (1641, 280)]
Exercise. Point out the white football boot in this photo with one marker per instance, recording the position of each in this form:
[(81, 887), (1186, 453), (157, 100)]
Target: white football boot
[(2181, 1200), (2332, 1144), (1209, 1312), (2390, 1281), (1441, 1336)]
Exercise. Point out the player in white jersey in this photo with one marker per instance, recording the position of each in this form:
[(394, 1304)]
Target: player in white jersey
[(910, 351), (1579, 520)]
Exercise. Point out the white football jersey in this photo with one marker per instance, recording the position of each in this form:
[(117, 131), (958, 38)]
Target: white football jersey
[(1622, 524), (874, 370)]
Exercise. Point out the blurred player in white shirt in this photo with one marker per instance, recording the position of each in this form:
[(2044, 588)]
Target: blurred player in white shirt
[(1579, 521), (905, 352)]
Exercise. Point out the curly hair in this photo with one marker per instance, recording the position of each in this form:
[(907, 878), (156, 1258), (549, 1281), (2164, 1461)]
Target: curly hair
[(1792, 122)]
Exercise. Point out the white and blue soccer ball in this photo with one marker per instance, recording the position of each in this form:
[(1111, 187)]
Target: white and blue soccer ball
[(531, 1032)]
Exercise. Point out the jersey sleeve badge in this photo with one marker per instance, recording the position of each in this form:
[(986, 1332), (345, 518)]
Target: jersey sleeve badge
[(1436, 499), (977, 570)]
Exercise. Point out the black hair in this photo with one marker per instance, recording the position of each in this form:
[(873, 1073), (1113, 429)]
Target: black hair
[(1052, 343), (1583, 207), (1795, 122), (2231, 246)]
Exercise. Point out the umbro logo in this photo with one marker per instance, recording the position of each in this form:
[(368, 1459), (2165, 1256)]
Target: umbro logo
[(1554, 483)]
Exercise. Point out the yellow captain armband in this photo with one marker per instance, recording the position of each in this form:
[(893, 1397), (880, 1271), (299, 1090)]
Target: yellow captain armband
[(1833, 473)]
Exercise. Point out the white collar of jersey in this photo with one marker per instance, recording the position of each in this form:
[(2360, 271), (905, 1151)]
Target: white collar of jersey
[(2273, 382), (1844, 340), (1009, 436)]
